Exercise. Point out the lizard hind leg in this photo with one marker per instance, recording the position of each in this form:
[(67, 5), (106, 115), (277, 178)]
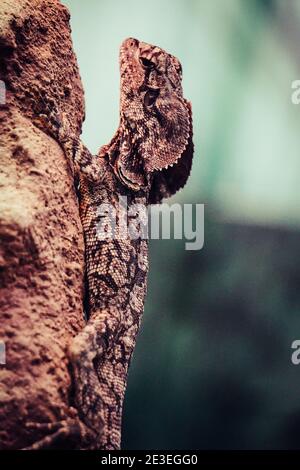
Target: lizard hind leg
[(92, 396), (84, 427)]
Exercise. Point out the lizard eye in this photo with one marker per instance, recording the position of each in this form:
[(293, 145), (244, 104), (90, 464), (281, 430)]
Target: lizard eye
[(146, 63), (150, 97)]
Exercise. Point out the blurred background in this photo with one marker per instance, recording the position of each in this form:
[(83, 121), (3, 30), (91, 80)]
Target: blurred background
[(212, 368)]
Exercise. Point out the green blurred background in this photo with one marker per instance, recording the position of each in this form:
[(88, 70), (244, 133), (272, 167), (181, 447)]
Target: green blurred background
[(212, 367)]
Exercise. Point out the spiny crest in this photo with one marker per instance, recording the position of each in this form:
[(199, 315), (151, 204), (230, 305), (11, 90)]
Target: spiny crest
[(155, 120)]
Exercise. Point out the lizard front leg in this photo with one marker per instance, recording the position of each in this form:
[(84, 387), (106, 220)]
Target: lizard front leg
[(78, 156)]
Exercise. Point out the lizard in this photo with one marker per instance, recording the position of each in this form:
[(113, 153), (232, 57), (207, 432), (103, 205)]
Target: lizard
[(148, 159)]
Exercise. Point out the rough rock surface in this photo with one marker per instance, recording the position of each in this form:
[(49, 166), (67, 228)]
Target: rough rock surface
[(41, 243)]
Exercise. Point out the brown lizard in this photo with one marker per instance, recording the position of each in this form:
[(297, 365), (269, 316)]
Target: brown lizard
[(149, 158)]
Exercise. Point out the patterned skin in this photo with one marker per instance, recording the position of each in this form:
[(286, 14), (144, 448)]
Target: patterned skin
[(148, 158)]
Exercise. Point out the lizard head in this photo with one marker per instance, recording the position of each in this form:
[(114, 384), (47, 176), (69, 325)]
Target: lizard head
[(155, 121)]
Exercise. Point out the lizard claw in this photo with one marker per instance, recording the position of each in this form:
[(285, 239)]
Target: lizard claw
[(70, 430), (44, 426)]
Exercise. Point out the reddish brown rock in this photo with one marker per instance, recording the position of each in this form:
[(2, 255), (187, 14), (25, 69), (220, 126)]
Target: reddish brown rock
[(41, 243)]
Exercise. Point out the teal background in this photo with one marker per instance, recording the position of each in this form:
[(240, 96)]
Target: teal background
[(212, 367)]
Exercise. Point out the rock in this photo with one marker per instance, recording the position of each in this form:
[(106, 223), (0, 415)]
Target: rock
[(41, 241)]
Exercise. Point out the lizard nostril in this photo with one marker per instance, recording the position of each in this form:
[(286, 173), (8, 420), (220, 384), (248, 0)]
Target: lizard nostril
[(133, 42)]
